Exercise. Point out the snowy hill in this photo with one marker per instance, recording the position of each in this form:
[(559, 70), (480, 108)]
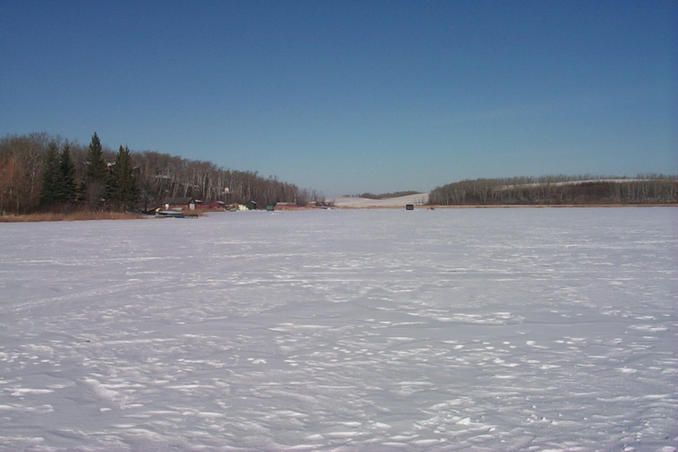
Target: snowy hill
[(358, 203)]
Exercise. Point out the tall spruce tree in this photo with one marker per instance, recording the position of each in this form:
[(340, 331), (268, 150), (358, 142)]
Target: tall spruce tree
[(95, 173), (95, 168), (66, 189), (51, 175), (122, 185)]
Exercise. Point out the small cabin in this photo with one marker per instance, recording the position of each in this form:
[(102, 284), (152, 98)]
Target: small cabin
[(217, 205), (286, 205)]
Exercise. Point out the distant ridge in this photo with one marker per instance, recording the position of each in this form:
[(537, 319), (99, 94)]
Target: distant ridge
[(399, 201), (558, 190), (548, 190)]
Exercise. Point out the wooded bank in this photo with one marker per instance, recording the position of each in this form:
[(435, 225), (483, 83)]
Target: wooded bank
[(26, 162), (559, 190)]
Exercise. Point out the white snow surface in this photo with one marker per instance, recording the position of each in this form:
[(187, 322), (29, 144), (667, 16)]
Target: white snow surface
[(487, 329), (400, 201)]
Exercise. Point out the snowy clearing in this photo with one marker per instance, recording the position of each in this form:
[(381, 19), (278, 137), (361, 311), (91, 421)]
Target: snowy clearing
[(487, 329)]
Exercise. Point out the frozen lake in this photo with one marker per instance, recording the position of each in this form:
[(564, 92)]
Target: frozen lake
[(489, 329)]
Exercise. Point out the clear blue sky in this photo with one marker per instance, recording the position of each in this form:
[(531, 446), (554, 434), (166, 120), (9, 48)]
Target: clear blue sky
[(346, 97)]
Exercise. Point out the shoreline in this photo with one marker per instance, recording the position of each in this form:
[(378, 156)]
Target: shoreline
[(72, 216), (89, 216), (499, 206), (544, 206)]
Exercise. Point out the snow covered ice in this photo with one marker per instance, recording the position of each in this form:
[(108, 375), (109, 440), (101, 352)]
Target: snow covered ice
[(484, 329)]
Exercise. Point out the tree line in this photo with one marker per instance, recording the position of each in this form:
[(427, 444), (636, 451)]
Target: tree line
[(547, 190), (42, 172)]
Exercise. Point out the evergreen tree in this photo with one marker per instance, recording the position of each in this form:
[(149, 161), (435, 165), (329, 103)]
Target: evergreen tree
[(122, 185), (95, 169), (50, 176), (66, 189), (93, 186)]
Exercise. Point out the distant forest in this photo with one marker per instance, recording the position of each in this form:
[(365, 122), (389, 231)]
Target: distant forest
[(42, 172), (554, 190)]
